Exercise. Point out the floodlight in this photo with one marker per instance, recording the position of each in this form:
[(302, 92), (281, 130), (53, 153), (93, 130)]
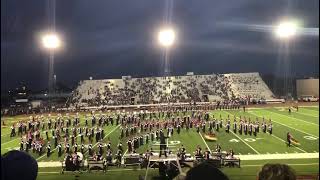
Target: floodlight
[(51, 41), (166, 37), (286, 29)]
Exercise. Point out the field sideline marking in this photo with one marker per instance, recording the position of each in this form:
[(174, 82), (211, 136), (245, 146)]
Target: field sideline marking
[(242, 139), (279, 156), (280, 107), (242, 157), (299, 112), (204, 142), (311, 110), (286, 125), (257, 165), (307, 114), (111, 170), (292, 117), (103, 138), (285, 141), (123, 169)]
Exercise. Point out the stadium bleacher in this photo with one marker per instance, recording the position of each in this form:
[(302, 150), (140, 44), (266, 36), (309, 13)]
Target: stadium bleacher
[(173, 89)]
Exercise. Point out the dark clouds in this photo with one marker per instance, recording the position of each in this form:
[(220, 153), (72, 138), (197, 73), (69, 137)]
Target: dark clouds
[(107, 39)]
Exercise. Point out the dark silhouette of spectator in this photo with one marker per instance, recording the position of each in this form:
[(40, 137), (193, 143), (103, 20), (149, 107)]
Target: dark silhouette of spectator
[(205, 171), (18, 165), (276, 172)]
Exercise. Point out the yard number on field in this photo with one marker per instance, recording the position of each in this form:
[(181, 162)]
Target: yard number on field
[(310, 138), (246, 139), (233, 140), (249, 139)]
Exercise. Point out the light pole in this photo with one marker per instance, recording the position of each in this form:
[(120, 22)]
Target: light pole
[(51, 42), (285, 31), (166, 38)]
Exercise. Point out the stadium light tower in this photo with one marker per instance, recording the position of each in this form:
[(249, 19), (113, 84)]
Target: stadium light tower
[(166, 39), (286, 31), (51, 42)]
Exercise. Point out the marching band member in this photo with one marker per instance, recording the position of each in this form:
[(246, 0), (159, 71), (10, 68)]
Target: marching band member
[(235, 125), (270, 128), (289, 139)]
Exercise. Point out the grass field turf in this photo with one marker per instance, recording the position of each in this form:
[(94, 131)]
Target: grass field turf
[(303, 125)]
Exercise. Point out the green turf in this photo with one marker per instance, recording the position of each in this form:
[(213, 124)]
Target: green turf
[(303, 125), (248, 171)]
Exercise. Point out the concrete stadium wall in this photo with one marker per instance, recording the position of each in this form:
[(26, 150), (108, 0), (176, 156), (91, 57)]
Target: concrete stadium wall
[(308, 87)]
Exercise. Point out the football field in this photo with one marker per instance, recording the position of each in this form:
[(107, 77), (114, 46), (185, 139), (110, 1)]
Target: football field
[(253, 151)]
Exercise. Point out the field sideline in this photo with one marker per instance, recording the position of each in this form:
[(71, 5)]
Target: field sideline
[(254, 151)]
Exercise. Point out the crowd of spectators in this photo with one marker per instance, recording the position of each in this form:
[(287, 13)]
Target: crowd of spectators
[(174, 89)]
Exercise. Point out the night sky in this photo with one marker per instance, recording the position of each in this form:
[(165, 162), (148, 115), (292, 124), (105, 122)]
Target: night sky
[(112, 38)]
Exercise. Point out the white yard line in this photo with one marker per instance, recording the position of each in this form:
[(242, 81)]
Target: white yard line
[(287, 126), (292, 117), (17, 138), (9, 141), (125, 153), (204, 142), (46, 154), (104, 137), (281, 139), (285, 141), (122, 160), (243, 140), (5, 134)]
